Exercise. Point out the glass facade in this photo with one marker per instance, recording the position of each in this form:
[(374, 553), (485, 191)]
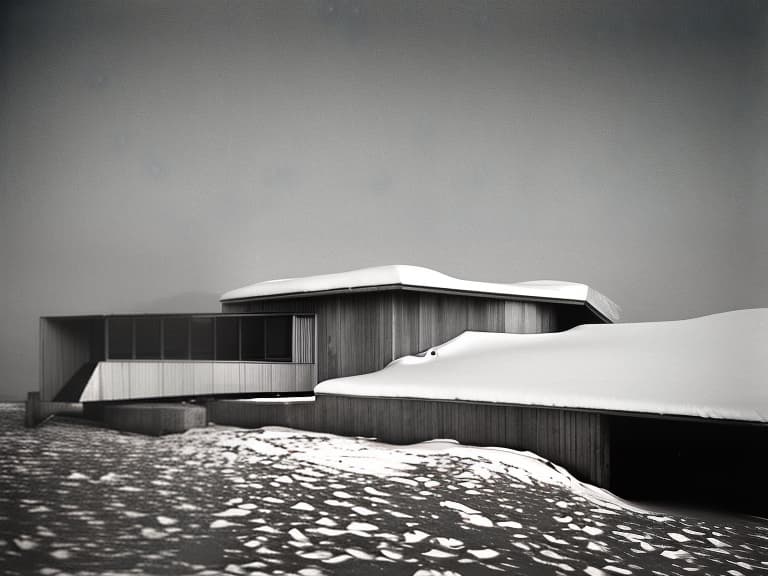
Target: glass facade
[(147, 338), (121, 338), (252, 339), (278, 344), (227, 338), (176, 338), (201, 338)]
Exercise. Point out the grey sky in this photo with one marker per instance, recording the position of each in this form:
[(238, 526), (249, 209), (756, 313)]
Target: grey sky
[(156, 154)]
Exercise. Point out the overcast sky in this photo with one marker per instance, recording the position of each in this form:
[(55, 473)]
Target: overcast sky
[(156, 154)]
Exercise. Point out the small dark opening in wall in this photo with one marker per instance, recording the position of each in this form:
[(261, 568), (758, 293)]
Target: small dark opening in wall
[(700, 463)]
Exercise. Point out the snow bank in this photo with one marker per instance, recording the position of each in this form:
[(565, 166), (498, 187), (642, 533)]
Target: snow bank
[(714, 367), (362, 456), (425, 278)]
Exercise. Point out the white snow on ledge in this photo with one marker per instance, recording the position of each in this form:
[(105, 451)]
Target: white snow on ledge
[(418, 276), (713, 367)]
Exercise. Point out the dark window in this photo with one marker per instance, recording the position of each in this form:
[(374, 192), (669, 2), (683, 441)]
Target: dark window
[(202, 338), (279, 330), (147, 338), (252, 334), (121, 338), (176, 338), (227, 344)]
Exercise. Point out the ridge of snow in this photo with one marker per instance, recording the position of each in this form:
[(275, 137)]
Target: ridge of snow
[(419, 276), (713, 367)]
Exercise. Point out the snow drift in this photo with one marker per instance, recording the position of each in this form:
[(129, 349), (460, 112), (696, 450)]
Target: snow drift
[(714, 367)]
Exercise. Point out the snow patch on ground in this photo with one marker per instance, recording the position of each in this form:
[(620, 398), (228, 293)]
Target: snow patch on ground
[(434, 508)]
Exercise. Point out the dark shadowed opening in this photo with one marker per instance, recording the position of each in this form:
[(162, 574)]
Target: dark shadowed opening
[(710, 463)]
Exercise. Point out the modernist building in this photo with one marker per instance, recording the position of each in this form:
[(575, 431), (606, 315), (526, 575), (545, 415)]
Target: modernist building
[(285, 336)]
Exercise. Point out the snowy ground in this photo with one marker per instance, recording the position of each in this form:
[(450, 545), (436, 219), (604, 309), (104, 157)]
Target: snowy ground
[(81, 500)]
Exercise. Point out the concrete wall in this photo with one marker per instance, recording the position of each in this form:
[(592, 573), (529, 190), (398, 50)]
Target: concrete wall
[(154, 419)]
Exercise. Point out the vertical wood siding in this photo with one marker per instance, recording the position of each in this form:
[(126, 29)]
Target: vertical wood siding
[(353, 331), (363, 332), (65, 347), (128, 380), (576, 440), (303, 339)]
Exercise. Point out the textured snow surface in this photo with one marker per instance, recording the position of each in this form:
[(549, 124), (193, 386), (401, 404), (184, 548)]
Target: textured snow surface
[(425, 278), (75, 499), (714, 367)]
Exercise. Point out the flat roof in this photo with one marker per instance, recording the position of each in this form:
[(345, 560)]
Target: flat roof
[(418, 277)]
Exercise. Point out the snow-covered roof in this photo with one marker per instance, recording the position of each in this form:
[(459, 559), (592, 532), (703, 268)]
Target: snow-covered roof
[(713, 367), (419, 277)]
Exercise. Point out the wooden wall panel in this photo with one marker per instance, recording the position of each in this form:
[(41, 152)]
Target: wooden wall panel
[(126, 380), (362, 332), (576, 440), (114, 381), (243, 413), (353, 331), (175, 378), (227, 378), (405, 325), (258, 378), (146, 378), (422, 321), (303, 339), (202, 378)]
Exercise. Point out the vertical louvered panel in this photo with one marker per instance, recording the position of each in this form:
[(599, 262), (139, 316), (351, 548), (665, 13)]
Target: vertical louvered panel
[(303, 339)]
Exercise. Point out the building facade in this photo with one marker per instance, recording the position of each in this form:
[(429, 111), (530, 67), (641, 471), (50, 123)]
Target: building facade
[(283, 337)]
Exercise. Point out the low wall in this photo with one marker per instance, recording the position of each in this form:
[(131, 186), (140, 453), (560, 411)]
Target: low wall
[(577, 440), (37, 410), (154, 419), (276, 412)]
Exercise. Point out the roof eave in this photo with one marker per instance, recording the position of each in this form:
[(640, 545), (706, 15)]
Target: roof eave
[(413, 288)]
